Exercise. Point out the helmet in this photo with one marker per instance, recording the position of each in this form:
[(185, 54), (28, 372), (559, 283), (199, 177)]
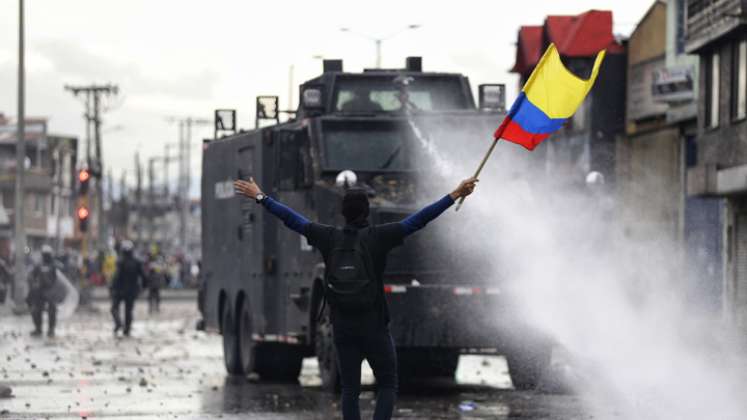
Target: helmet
[(127, 246), (47, 254), (346, 179), (594, 178), (47, 250)]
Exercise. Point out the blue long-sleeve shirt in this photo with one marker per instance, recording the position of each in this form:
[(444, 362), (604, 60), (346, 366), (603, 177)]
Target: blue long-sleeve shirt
[(411, 224), (388, 236), (293, 220)]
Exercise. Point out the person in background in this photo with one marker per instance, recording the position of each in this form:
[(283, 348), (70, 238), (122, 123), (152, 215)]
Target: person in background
[(41, 295), (6, 280), (108, 266), (129, 279), (360, 101), (156, 281), (200, 297), (6, 270), (355, 259)]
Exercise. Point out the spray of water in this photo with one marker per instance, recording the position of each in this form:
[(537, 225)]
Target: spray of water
[(615, 304), (437, 161)]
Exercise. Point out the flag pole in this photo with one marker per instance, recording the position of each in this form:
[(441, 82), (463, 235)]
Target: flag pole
[(482, 164)]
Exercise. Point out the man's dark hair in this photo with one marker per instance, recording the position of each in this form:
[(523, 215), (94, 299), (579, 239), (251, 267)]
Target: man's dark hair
[(355, 206)]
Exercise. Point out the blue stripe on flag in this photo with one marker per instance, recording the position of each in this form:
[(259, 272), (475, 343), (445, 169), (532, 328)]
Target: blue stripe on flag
[(531, 118)]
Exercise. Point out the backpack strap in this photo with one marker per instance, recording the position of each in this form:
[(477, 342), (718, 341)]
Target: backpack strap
[(338, 236)]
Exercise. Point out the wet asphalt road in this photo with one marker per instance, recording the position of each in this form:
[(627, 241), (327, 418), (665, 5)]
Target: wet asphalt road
[(169, 370)]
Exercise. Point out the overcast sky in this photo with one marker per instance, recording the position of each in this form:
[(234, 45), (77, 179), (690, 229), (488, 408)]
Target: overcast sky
[(188, 57)]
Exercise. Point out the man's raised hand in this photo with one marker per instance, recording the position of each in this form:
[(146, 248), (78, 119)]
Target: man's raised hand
[(246, 188)]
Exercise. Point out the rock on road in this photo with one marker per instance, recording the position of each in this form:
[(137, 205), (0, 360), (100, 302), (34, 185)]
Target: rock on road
[(168, 370)]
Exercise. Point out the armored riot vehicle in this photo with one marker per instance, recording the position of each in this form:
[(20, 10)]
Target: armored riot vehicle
[(263, 282)]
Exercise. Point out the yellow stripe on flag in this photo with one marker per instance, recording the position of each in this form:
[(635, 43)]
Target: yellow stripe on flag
[(554, 89)]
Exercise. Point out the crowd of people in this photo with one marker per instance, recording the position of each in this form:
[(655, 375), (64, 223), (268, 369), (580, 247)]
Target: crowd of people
[(51, 279)]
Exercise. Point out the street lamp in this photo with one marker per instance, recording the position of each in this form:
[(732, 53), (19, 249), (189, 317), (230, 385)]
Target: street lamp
[(379, 40)]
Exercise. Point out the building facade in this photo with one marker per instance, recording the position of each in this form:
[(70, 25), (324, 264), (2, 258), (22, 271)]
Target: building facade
[(717, 34), (659, 146), (649, 155), (50, 175)]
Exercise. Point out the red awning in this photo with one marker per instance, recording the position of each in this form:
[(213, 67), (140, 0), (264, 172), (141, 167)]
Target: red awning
[(575, 36), (583, 35), (528, 48)]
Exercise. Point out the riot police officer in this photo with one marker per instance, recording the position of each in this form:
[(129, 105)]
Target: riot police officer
[(42, 282), (129, 278)]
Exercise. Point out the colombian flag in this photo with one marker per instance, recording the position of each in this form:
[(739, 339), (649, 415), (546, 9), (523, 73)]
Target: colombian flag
[(550, 96)]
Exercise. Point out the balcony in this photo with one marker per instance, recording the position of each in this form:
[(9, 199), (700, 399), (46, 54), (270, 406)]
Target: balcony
[(709, 20)]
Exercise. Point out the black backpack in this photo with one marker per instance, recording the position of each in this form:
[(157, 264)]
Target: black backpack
[(349, 282)]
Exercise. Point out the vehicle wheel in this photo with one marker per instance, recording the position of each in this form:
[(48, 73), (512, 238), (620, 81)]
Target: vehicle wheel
[(326, 355), (231, 351), (246, 342), (527, 365), (423, 364), (278, 362)]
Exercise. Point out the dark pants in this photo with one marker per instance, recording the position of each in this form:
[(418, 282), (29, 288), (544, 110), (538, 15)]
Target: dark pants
[(129, 303), (37, 313), (154, 299), (377, 347)]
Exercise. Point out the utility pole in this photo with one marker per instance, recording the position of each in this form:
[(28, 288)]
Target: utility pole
[(123, 185), (109, 188), (124, 205), (20, 233), (185, 173), (291, 71), (158, 197), (60, 151), (378, 53), (93, 94), (87, 116), (151, 199), (138, 200), (168, 158), (101, 226)]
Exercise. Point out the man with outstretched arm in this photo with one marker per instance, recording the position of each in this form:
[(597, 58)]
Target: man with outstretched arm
[(358, 310)]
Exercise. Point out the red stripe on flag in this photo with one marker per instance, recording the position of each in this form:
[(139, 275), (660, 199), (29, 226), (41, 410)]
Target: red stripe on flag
[(511, 131)]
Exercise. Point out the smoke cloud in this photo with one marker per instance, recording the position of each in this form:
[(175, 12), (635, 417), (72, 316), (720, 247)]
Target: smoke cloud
[(618, 307)]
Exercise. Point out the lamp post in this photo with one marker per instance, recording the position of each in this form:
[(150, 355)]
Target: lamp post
[(379, 40), (18, 222)]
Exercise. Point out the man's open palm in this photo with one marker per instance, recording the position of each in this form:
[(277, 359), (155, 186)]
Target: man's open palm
[(246, 188)]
